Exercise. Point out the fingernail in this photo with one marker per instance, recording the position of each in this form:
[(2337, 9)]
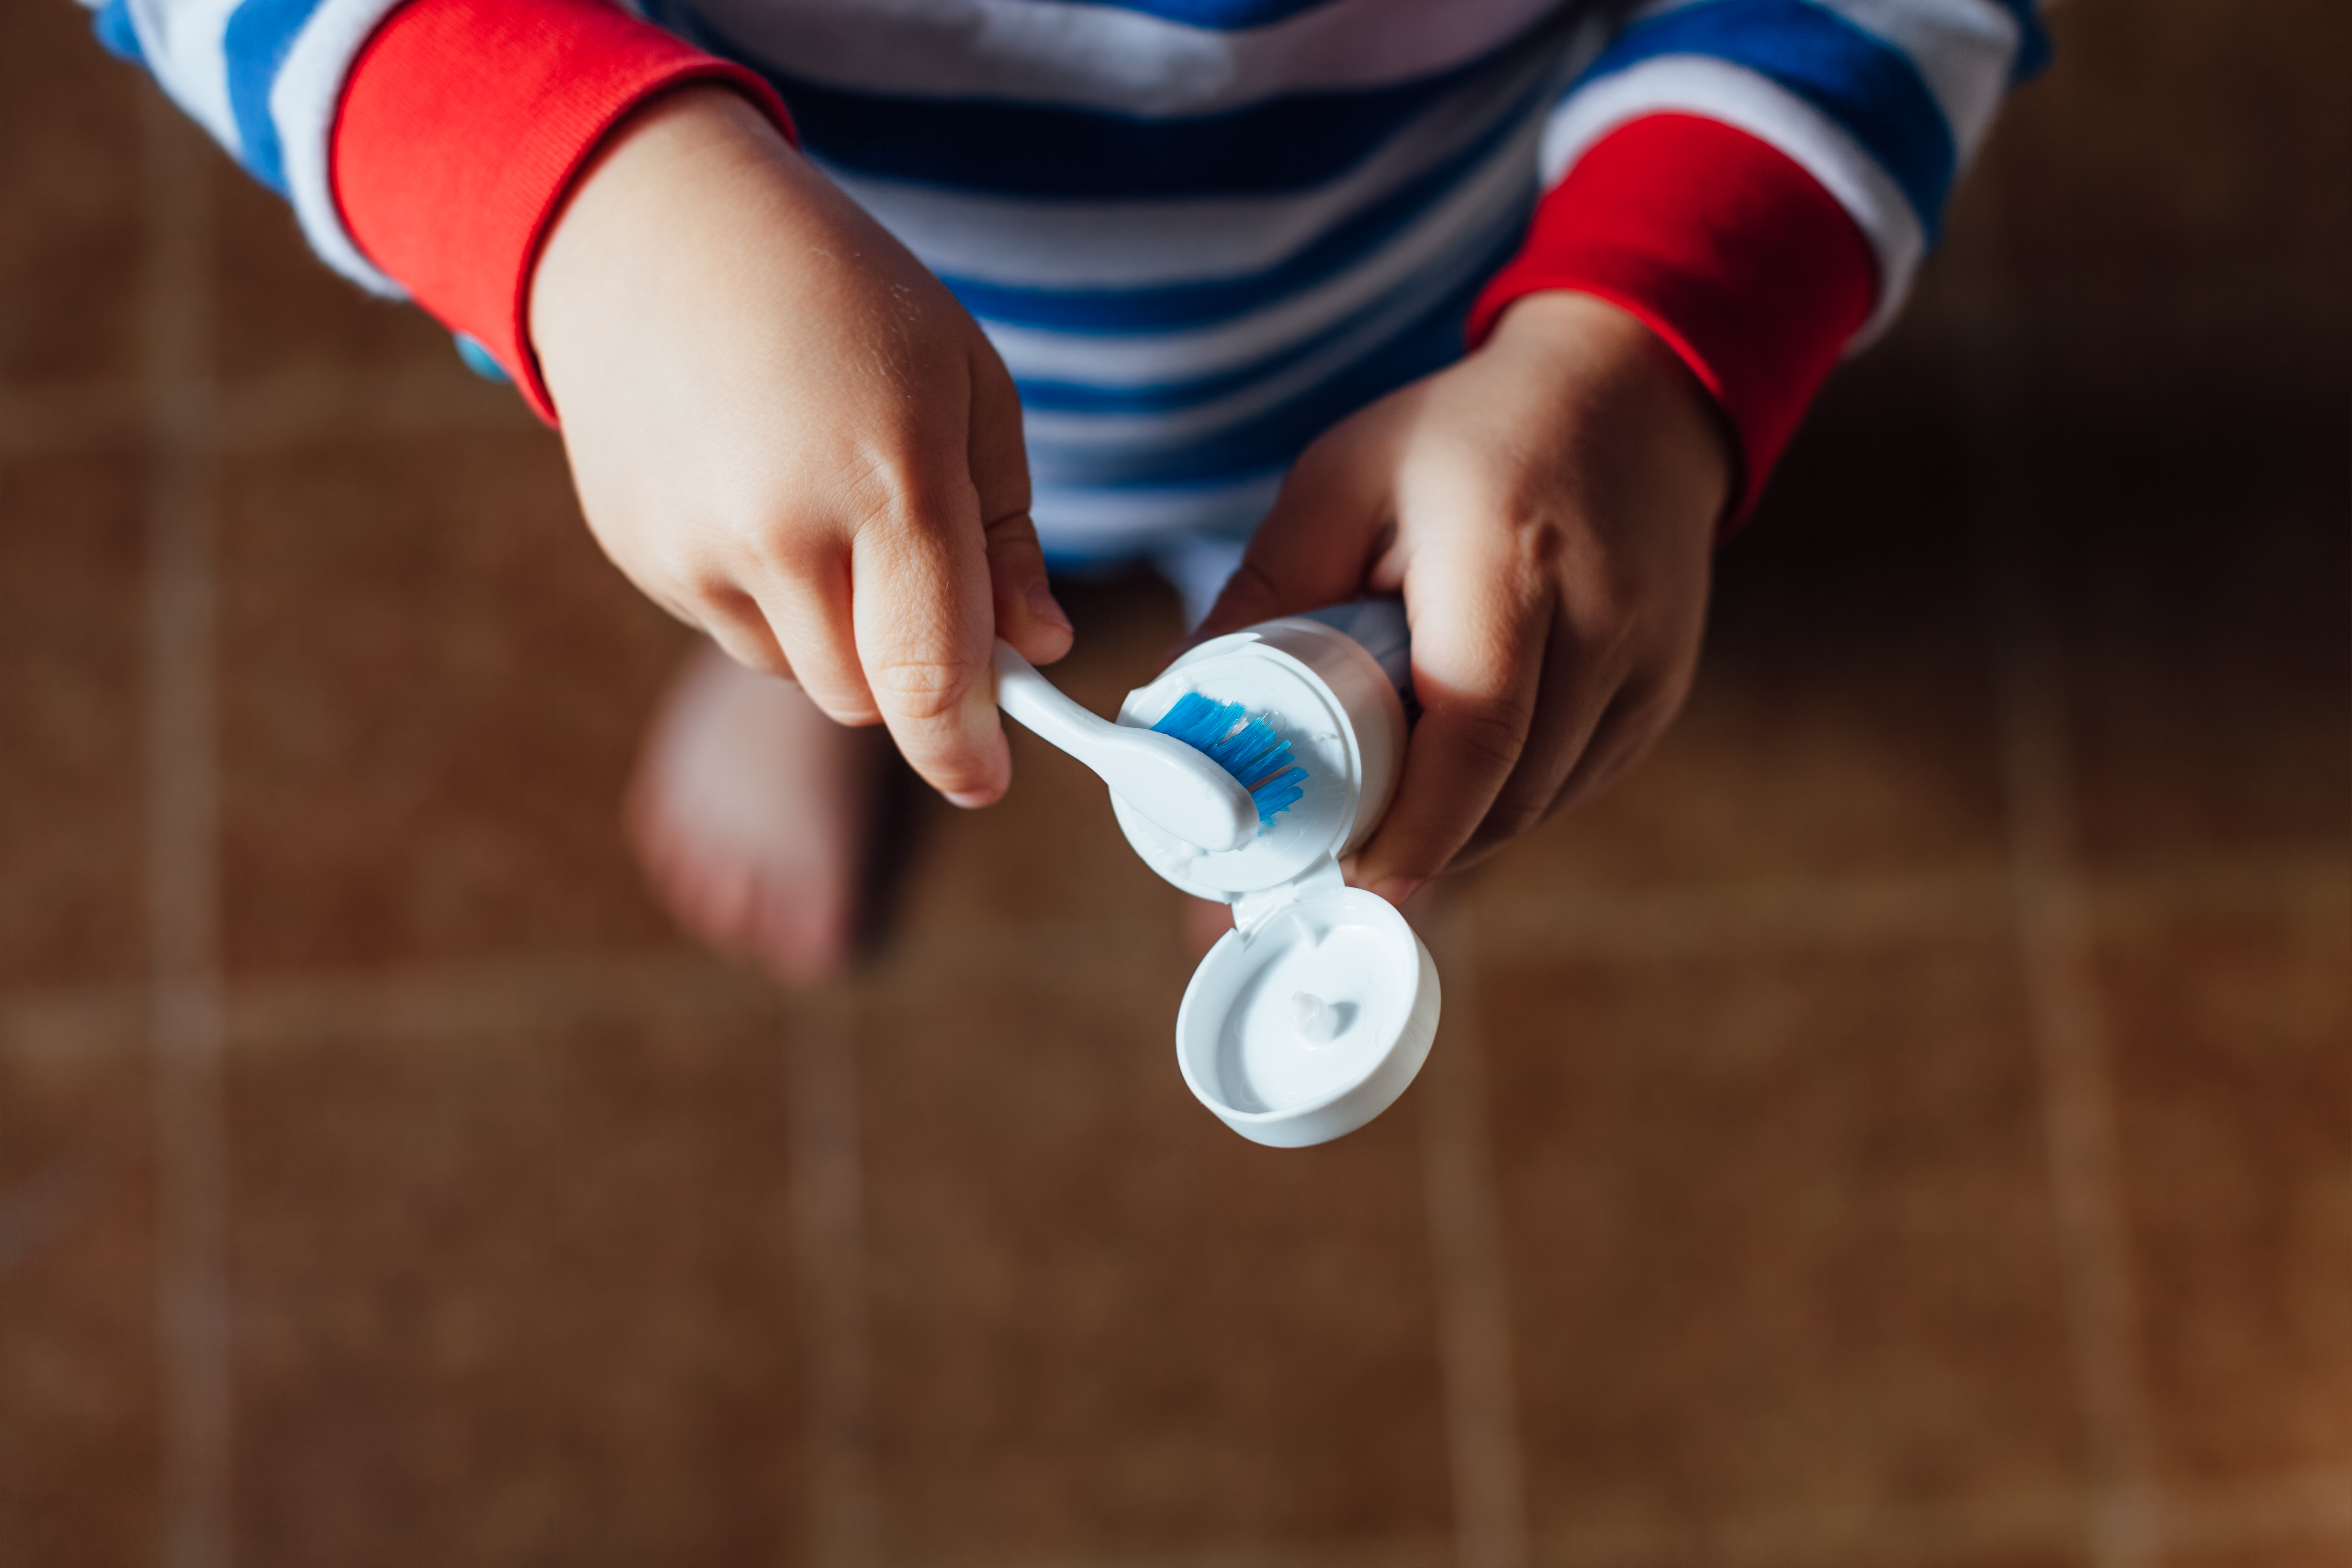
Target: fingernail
[(1042, 605), (986, 735), (1395, 890)]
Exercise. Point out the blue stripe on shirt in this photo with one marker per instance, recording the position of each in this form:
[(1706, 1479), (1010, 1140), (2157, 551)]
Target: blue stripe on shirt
[(1274, 439), (1865, 84), (1480, 256), (259, 36), (1290, 143), (1219, 15), (1171, 306), (2032, 40), (117, 33)]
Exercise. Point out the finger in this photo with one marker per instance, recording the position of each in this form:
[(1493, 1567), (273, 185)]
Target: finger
[(920, 605), (733, 619), (1638, 715), (1478, 624), (805, 603), (1572, 695), (1330, 521), (1027, 615)]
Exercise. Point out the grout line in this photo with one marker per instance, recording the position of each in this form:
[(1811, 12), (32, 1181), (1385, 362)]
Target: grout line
[(2314, 882), (260, 413), (440, 998), (441, 1001), (292, 409), (2293, 1509), (829, 1248), (445, 997), (1963, 1534), (1743, 917), (185, 1018), (2067, 1016), (2069, 1025), (2305, 1507), (1482, 1434), (1406, 1552), (75, 1021), (71, 416)]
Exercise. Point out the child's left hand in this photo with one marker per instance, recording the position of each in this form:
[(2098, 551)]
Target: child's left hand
[(1547, 508)]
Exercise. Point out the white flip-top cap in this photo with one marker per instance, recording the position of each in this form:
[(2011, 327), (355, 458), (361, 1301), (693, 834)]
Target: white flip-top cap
[(1313, 1013)]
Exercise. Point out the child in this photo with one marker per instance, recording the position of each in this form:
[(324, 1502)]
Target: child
[(855, 311)]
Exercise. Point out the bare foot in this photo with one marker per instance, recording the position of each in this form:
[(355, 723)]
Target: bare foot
[(751, 812)]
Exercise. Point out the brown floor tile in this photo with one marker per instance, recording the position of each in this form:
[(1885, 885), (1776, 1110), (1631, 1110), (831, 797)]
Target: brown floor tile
[(281, 311), (430, 688), (516, 1296), (2232, 1053), (72, 756), (1842, 724), (2170, 141), (1103, 1323), (71, 233), (1777, 1237), (1943, 1541), (2210, 660), (78, 1386), (2328, 1549)]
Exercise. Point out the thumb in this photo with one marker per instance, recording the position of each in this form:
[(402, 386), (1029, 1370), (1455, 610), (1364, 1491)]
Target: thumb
[(1330, 522)]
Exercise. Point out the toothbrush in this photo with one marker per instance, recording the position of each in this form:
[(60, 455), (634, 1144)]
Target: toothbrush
[(1245, 747), (1182, 787)]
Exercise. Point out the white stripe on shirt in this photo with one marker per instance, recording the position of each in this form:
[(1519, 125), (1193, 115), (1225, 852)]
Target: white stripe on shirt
[(1748, 101), (1109, 58)]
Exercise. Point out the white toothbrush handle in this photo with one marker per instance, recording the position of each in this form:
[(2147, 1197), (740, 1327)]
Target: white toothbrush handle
[(1159, 776)]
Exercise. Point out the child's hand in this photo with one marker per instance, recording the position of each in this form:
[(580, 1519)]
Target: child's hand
[(1547, 508), (788, 433)]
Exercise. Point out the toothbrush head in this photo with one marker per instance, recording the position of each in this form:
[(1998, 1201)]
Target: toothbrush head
[(1244, 746)]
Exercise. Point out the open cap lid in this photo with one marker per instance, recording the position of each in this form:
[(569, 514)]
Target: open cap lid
[(1311, 1015)]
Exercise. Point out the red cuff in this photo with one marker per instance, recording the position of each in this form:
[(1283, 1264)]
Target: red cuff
[(461, 126), (1723, 246)]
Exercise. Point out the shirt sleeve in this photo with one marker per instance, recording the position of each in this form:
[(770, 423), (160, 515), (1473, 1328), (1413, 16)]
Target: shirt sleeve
[(264, 77), (1757, 181), (424, 145), (463, 124)]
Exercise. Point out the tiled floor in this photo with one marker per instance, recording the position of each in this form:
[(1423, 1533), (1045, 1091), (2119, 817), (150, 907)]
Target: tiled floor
[(1908, 1121)]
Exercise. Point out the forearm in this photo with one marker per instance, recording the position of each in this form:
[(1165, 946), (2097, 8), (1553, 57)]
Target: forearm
[(465, 124)]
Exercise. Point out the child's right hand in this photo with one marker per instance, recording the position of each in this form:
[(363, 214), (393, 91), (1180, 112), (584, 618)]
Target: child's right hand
[(787, 432)]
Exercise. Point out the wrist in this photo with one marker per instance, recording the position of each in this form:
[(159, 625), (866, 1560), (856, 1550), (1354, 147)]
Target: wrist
[(646, 184), (1605, 362)]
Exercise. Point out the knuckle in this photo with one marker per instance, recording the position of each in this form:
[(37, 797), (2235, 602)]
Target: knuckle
[(922, 690), (1249, 585), (1492, 732), (888, 488), (766, 658), (1513, 814), (764, 537)]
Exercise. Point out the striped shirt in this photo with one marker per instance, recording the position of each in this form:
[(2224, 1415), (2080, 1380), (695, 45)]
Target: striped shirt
[(1198, 231)]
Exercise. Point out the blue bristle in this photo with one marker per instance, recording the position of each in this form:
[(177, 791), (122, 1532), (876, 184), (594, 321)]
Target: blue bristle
[(1245, 747)]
